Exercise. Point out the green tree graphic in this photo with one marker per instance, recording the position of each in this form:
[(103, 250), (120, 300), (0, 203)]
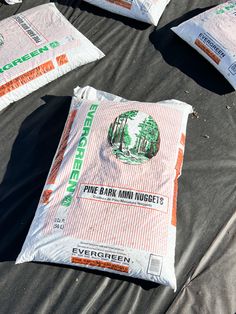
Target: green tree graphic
[(134, 148), (148, 138), (117, 129), (129, 115), (127, 138)]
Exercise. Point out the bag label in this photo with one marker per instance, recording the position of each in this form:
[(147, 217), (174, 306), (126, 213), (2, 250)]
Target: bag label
[(127, 4), (227, 7), (123, 196), (60, 219), (79, 156), (211, 47), (29, 56), (29, 29), (103, 259)]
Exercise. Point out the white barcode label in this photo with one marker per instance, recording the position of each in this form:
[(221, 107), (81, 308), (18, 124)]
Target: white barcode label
[(155, 265)]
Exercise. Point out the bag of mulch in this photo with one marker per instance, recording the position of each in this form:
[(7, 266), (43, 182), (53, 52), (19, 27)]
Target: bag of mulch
[(213, 34), (109, 202), (149, 11), (48, 46)]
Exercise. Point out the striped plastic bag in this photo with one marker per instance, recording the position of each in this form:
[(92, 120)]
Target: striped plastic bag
[(213, 34), (109, 202), (13, 1), (48, 46), (149, 11)]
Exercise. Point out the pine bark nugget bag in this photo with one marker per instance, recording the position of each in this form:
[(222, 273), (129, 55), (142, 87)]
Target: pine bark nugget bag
[(36, 47), (149, 11), (109, 201), (13, 1), (213, 35)]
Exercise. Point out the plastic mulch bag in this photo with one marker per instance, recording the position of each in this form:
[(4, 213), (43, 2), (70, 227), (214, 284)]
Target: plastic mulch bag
[(48, 46), (109, 201), (149, 11), (213, 34), (13, 1)]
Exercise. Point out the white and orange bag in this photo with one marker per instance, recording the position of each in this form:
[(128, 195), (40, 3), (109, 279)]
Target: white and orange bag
[(36, 47), (213, 34), (109, 202), (149, 11), (13, 1)]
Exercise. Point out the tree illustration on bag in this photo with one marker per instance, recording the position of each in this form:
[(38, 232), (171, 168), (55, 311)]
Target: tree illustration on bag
[(1, 40), (134, 136)]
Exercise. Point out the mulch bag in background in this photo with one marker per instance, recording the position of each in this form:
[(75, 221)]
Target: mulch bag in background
[(13, 1), (109, 201), (36, 47), (213, 34), (149, 11)]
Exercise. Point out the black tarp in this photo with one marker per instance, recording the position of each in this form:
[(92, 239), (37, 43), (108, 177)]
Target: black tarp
[(146, 64)]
